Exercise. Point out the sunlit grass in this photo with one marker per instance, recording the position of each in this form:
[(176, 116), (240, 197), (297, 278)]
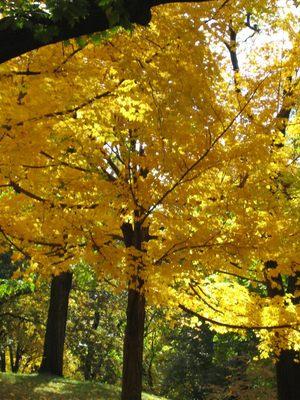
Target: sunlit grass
[(36, 387)]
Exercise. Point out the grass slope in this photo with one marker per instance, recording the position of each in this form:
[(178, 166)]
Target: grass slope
[(35, 387)]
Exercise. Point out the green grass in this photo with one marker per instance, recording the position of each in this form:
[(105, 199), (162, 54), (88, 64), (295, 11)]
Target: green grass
[(35, 387)]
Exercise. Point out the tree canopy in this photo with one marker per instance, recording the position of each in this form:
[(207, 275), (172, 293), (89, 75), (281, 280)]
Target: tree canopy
[(167, 158), (87, 167)]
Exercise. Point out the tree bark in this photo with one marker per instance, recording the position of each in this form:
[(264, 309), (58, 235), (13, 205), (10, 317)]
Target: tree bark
[(288, 363), (134, 236), (52, 362), (133, 346), (288, 375)]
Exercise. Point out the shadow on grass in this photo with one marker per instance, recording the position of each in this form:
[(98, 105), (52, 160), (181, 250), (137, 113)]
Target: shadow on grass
[(35, 387)]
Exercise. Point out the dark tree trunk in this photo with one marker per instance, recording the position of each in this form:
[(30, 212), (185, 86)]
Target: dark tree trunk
[(288, 363), (17, 359), (288, 375), (2, 362), (88, 365), (133, 346), (135, 316), (52, 362)]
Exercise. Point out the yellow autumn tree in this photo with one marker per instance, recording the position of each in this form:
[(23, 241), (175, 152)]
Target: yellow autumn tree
[(142, 166)]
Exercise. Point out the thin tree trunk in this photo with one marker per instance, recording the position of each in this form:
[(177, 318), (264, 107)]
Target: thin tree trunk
[(11, 357), (149, 369), (52, 362), (88, 365), (88, 359), (133, 346), (3, 361)]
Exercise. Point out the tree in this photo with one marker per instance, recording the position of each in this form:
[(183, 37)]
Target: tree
[(189, 366), (133, 187), (21, 310), (52, 360), (285, 184), (287, 366), (95, 329)]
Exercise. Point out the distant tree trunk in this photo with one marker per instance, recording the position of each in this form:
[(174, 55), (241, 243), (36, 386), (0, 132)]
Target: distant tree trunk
[(2, 361), (88, 365), (88, 359), (133, 347), (52, 362), (149, 370), (15, 363), (207, 336), (11, 357), (18, 358), (149, 374)]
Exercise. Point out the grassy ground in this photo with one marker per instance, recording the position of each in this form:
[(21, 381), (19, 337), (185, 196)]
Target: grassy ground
[(34, 387)]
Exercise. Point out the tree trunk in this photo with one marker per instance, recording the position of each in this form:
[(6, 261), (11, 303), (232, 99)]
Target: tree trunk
[(17, 359), (288, 375), (52, 362), (135, 316), (11, 357), (133, 346), (288, 363), (2, 361), (14, 363), (88, 366)]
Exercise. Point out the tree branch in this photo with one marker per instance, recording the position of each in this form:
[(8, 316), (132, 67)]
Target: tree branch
[(233, 326), (21, 318), (203, 155), (15, 41)]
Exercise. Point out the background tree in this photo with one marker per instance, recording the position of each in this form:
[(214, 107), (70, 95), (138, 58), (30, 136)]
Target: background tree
[(22, 311), (95, 327)]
